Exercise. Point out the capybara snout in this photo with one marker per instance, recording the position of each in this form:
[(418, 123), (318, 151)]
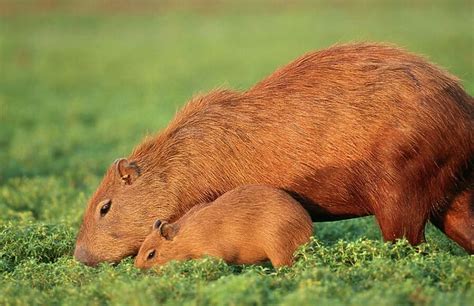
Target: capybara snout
[(82, 254), (247, 225)]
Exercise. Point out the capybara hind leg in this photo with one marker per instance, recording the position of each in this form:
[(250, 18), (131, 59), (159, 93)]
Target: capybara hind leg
[(401, 223), (457, 221)]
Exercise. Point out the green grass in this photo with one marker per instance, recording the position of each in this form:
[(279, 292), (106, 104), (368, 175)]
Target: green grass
[(78, 90)]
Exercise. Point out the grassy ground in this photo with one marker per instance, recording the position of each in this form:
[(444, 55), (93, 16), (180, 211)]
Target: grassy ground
[(78, 90)]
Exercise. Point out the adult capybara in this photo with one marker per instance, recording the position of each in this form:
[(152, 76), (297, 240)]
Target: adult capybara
[(349, 131), (247, 225)]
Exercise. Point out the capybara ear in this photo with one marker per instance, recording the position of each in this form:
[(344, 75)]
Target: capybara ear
[(168, 231), (127, 171), (157, 224)]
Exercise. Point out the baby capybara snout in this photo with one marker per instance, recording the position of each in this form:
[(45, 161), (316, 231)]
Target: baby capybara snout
[(247, 225)]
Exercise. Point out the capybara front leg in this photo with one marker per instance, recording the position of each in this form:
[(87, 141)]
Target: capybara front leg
[(457, 220)]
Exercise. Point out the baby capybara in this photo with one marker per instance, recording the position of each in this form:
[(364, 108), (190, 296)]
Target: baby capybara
[(350, 131), (247, 225)]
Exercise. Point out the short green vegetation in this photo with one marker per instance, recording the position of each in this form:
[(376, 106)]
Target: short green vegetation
[(80, 86)]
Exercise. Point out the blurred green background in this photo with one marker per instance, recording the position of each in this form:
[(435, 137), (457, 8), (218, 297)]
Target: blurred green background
[(81, 82)]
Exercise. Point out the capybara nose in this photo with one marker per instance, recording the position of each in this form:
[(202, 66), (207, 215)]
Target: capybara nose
[(83, 255)]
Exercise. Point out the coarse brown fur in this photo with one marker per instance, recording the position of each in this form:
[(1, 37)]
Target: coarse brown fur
[(265, 224), (349, 131)]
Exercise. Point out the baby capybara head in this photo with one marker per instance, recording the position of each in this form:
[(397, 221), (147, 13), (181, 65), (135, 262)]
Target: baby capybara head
[(114, 226), (150, 253)]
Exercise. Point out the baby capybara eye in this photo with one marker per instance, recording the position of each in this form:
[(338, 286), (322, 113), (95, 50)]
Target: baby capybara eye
[(151, 255), (105, 208)]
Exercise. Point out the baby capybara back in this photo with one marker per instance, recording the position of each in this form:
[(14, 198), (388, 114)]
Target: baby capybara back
[(247, 225)]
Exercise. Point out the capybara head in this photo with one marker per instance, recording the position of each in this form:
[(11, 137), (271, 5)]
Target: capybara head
[(150, 253), (114, 226)]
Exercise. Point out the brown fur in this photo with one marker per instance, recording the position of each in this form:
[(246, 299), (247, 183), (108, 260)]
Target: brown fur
[(353, 130), (265, 224)]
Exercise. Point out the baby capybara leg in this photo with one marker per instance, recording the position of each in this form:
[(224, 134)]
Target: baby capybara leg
[(457, 221), (281, 260)]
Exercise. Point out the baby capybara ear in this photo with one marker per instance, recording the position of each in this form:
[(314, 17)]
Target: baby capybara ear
[(127, 171), (167, 231)]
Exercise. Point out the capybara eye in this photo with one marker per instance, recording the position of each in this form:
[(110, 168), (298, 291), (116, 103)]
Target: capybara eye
[(151, 255), (105, 208)]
